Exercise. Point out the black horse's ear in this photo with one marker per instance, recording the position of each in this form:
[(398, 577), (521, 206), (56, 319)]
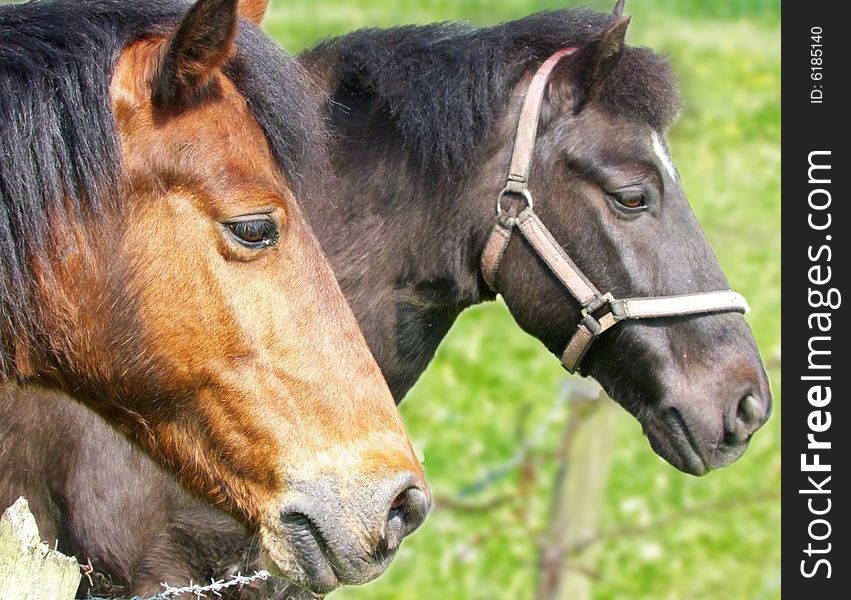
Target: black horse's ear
[(618, 11), (203, 42), (254, 10), (579, 77), (606, 53)]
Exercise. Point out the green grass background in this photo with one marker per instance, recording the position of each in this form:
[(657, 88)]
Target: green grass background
[(488, 377)]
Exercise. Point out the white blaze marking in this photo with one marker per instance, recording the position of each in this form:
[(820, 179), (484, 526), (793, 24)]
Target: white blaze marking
[(659, 149)]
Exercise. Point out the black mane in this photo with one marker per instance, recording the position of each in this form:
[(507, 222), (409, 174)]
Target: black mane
[(445, 85), (59, 149)]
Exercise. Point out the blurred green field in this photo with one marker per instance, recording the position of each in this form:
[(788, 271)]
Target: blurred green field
[(489, 378)]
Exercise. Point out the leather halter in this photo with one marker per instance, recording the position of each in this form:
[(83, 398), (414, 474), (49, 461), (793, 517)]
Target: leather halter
[(599, 311)]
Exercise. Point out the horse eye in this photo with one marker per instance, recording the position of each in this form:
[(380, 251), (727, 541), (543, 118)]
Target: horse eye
[(254, 233), (631, 199)]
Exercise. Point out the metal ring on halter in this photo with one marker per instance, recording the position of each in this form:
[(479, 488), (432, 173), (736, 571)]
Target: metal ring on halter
[(525, 193)]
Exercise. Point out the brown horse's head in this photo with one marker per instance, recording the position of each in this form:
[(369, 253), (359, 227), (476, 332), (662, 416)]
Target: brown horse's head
[(604, 184), (192, 306)]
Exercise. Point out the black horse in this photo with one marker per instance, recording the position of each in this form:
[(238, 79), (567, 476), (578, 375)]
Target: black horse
[(423, 120)]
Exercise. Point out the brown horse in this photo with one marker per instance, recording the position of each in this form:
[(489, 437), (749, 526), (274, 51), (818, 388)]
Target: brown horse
[(156, 266), (424, 121)]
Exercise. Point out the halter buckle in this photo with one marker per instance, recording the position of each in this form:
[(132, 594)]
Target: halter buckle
[(599, 324), (607, 321)]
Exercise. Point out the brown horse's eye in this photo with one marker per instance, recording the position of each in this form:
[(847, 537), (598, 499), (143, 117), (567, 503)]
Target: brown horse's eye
[(254, 233), (631, 199)]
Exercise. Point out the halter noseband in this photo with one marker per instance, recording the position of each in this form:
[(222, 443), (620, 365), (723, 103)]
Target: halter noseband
[(599, 311)]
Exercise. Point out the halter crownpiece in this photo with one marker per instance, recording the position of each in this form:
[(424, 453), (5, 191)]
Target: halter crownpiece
[(600, 311)]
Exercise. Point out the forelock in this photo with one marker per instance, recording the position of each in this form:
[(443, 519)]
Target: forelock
[(643, 86)]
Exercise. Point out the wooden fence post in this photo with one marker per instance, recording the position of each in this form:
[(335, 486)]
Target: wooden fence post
[(29, 569), (585, 457)]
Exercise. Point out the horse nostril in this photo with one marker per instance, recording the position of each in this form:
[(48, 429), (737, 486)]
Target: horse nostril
[(751, 413), (407, 512), (399, 502)]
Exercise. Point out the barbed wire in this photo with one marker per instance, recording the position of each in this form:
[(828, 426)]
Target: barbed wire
[(200, 591)]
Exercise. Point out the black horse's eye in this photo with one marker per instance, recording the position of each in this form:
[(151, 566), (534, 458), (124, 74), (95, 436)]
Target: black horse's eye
[(631, 199), (254, 233)]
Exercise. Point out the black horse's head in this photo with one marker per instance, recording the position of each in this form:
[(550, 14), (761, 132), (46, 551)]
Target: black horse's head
[(604, 184)]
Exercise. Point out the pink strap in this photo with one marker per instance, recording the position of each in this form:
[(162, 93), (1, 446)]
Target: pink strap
[(686, 304), (527, 128), (495, 248), (556, 258)]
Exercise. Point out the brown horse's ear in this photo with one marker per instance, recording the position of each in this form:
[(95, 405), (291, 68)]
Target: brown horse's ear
[(581, 76), (202, 43), (253, 9)]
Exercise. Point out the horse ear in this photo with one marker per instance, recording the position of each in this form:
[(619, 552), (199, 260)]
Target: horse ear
[(253, 9), (579, 77), (606, 53), (202, 43), (618, 11)]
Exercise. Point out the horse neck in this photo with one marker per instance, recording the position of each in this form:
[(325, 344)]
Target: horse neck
[(406, 257)]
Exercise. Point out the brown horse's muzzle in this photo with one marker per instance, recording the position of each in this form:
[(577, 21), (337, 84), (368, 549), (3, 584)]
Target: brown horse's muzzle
[(328, 535)]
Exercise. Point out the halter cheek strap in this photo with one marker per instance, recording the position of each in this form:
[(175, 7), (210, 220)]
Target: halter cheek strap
[(600, 311)]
